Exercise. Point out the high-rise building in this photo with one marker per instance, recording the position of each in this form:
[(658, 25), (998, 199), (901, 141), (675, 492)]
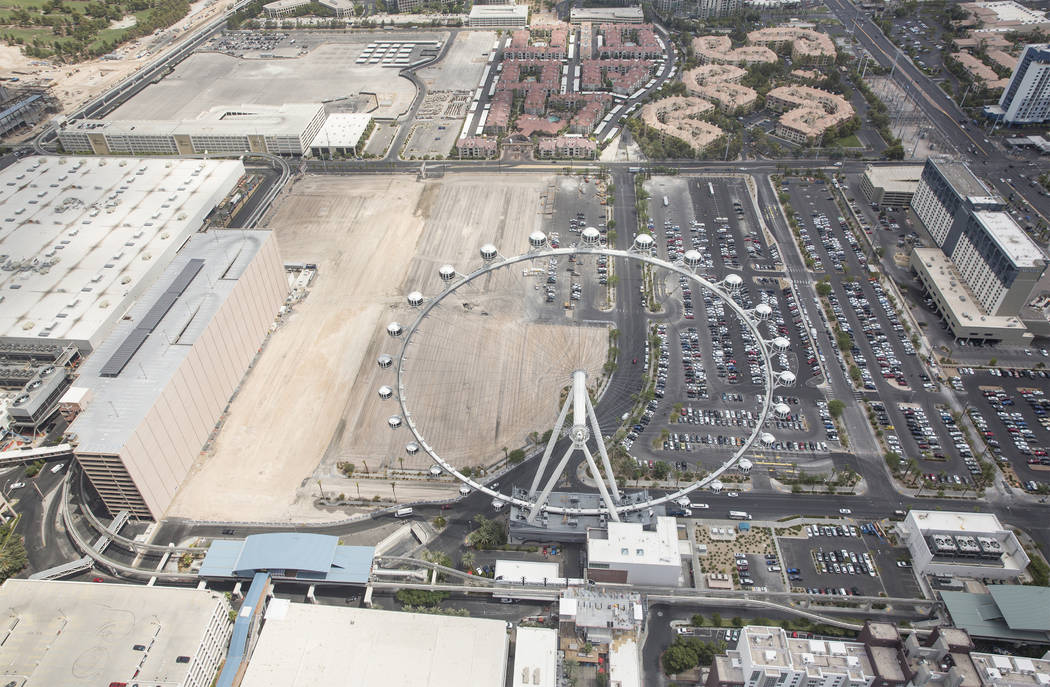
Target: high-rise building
[(998, 261), (986, 267), (712, 9), (1026, 100)]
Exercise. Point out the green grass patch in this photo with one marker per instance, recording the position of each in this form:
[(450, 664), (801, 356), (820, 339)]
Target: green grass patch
[(850, 141)]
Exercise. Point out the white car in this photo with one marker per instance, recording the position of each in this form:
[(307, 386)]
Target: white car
[(732, 494), (699, 506), (845, 511), (18, 485)]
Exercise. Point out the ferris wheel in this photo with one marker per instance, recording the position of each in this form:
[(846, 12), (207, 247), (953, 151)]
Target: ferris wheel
[(570, 366)]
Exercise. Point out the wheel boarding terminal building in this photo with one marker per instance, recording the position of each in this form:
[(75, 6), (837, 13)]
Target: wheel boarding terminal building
[(288, 557), (162, 379)]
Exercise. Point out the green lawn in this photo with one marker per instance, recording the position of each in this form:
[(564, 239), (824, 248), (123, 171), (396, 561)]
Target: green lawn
[(850, 141)]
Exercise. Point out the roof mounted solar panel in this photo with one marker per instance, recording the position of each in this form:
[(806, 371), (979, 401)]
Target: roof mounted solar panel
[(134, 340)]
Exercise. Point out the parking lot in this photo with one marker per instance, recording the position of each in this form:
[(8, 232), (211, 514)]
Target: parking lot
[(907, 403), (849, 557), (709, 376), (1012, 415)]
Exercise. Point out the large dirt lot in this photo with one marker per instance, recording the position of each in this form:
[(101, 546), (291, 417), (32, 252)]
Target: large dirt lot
[(461, 68), (327, 72), (478, 377)]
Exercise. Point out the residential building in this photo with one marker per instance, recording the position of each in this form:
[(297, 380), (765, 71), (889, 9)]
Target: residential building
[(677, 117), (278, 130), (625, 553), (1002, 16), (568, 147), (162, 379), (1026, 99), (498, 16), (477, 147), (716, 9), (720, 50), (890, 186), (82, 634), (767, 656), (808, 47), (809, 113), (628, 41), (718, 83), (973, 545)]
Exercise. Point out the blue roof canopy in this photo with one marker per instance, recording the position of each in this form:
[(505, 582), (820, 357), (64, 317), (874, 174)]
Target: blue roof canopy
[(289, 555)]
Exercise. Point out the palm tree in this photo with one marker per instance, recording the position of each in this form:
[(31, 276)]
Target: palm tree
[(467, 559), (393, 488)]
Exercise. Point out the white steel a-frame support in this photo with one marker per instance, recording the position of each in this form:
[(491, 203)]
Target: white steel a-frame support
[(582, 416)]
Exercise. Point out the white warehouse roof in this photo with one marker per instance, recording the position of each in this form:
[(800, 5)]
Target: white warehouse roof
[(947, 521), (535, 657), (341, 130), (305, 645), (628, 543), (81, 237), (83, 634)]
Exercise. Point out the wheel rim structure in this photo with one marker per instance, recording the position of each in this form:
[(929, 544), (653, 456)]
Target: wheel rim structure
[(747, 316)]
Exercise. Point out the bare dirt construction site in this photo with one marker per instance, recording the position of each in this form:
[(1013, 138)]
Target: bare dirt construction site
[(484, 371)]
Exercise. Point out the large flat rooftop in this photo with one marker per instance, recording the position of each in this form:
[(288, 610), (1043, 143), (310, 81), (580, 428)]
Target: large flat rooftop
[(81, 237), (1011, 238), (82, 634), (945, 521), (956, 295), (307, 644), (894, 178), (961, 178), (123, 397)]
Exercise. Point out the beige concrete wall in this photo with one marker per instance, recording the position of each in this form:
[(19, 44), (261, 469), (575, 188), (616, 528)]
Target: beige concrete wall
[(161, 451)]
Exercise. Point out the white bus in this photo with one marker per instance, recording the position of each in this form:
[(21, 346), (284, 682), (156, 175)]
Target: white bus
[(739, 515)]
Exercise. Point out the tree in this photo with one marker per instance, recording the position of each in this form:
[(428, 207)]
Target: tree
[(468, 559), (823, 288), (516, 456), (836, 407), (679, 658), (697, 620), (490, 533), (716, 619), (420, 597)]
